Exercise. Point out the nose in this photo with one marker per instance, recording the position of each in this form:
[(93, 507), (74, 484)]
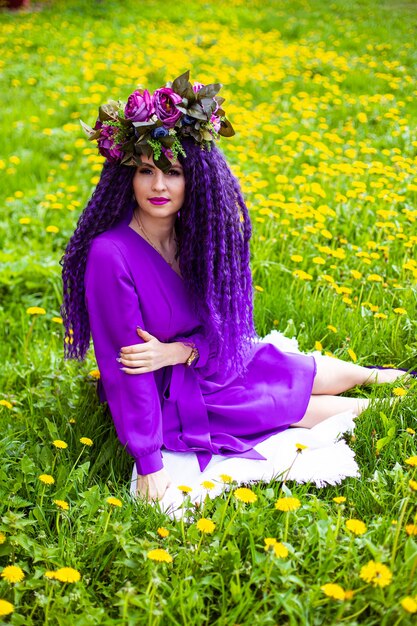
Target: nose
[(158, 182)]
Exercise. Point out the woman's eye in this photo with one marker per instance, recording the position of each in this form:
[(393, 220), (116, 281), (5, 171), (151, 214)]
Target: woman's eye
[(144, 171), (174, 172)]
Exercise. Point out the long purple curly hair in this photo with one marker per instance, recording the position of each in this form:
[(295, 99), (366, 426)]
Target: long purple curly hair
[(214, 231)]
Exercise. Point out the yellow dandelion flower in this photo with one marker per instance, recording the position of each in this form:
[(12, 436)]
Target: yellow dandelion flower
[(352, 355), (58, 443), (6, 403), (159, 555), (356, 274), (339, 499), (86, 441), (376, 574), (376, 278), (61, 504), (226, 478), (409, 604), (52, 229), (57, 320), (326, 233), (287, 504), (35, 310), (318, 346), (205, 525), (280, 551), (281, 178), (300, 447), (399, 391), (207, 484), (412, 460), (46, 479), (380, 316), (2, 538), (65, 575), (25, 220), (302, 275), (269, 543), (13, 574), (410, 431), (114, 501), (94, 374), (243, 494), (400, 311), (50, 575), (332, 328), (356, 526), (163, 532), (333, 591), (411, 529), (413, 484), (184, 488), (72, 421), (297, 258), (6, 608), (259, 288)]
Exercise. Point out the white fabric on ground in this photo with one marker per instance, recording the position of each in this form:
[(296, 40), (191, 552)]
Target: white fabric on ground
[(327, 460)]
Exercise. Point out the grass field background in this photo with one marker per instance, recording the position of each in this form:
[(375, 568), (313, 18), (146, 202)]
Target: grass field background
[(323, 99)]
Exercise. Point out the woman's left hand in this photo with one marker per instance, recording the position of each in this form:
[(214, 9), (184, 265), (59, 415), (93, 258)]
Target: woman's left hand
[(145, 357)]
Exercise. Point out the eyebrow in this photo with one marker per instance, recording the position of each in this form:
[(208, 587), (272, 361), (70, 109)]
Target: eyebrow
[(179, 167)]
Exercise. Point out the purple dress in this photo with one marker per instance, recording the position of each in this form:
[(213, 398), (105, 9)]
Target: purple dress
[(180, 408)]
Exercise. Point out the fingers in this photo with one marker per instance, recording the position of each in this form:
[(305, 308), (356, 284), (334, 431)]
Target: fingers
[(153, 486), (131, 364), (138, 347), (151, 493), (136, 370), (134, 361), (134, 349), (144, 334)]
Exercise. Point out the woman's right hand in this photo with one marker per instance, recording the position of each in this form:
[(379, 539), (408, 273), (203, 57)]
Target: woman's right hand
[(153, 486)]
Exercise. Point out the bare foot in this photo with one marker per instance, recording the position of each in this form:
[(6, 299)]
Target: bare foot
[(387, 375)]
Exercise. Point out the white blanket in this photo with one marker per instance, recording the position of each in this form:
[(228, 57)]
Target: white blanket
[(326, 460)]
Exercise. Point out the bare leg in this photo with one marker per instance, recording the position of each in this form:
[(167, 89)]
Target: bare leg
[(335, 376), (322, 407)]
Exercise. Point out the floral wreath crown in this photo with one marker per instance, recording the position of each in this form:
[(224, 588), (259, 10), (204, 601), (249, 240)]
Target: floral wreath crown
[(153, 125)]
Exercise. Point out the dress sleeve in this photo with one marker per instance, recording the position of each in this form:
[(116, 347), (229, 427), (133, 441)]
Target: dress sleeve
[(114, 313)]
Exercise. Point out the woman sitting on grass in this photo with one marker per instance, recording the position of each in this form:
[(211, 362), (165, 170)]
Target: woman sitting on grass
[(158, 271)]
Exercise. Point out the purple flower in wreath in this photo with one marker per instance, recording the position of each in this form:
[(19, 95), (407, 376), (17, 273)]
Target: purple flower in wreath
[(197, 87), (165, 101), (215, 120), (106, 144), (168, 153), (139, 107)]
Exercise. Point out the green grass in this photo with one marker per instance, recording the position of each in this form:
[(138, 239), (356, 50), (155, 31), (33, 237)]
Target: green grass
[(298, 75)]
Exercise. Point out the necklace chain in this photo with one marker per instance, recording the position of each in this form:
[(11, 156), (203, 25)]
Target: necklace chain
[(141, 228)]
